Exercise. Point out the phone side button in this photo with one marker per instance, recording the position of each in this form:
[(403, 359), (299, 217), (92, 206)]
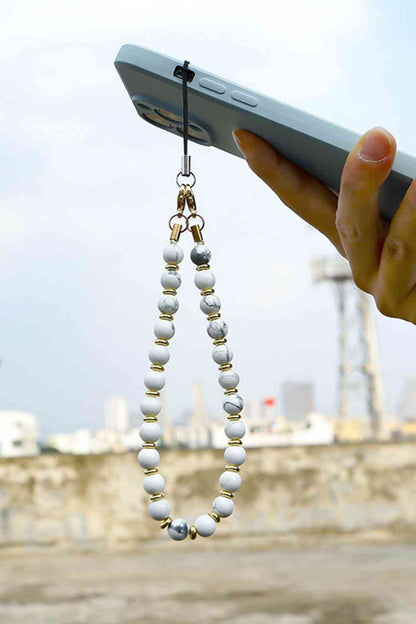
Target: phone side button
[(245, 98), (212, 85)]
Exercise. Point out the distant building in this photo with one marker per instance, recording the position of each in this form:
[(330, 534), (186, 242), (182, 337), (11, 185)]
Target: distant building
[(407, 404), (18, 434), (116, 415), (297, 400), (87, 441)]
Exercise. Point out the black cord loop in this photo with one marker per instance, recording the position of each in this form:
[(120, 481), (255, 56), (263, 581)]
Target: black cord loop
[(185, 106)]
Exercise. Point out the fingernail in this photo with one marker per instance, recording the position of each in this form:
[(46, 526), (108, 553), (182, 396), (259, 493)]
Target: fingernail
[(377, 145), (239, 141)]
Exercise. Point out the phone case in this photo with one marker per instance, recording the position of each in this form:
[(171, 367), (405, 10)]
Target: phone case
[(218, 106)]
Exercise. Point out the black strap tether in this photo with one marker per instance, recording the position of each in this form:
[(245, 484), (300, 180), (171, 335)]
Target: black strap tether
[(185, 106)]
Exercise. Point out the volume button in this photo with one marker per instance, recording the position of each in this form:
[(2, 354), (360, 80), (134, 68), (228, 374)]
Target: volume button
[(212, 85), (245, 98)]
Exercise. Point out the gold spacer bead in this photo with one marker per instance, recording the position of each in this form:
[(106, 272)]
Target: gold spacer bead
[(171, 266), (157, 367), (230, 391), (150, 471), (156, 497), (214, 516), (214, 316), (219, 341), (150, 418), (234, 416), (166, 522), (193, 532), (235, 442), (150, 445), (162, 341), (166, 317), (232, 467), (203, 267), (169, 291), (153, 393), (226, 493), (224, 367), (207, 291)]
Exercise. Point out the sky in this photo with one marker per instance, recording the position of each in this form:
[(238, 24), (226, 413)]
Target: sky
[(86, 189)]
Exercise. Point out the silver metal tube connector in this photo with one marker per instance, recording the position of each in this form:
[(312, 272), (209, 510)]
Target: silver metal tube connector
[(186, 164)]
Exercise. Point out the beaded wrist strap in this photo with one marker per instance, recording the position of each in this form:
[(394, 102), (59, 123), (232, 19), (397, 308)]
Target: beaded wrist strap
[(151, 405)]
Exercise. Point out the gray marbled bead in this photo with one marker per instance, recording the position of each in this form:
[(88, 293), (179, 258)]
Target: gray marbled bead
[(230, 481), (164, 329), (235, 429), (148, 458), (173, 253), (159, 354), (222, 354), (160, 509), (154, 380), (204, 279), (154, 484), (217, 329), (223, 506), (210, 304), (228, 379), (178, 529), (233, 404), (168, 304), (205, 525), (170, 279), (200, 254)]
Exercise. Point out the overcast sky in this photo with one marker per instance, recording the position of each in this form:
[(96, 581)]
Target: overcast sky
[(87, 188)]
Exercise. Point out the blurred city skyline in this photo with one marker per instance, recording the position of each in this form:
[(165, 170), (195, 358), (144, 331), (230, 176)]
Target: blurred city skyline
[(87, 189)]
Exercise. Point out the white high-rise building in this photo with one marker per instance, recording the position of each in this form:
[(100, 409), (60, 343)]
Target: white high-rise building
[(116, 414), (18, 434)]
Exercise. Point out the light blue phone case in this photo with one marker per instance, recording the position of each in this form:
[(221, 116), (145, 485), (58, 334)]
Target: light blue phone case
[(218, 106)]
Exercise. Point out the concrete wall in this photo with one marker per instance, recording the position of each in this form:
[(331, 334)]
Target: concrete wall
[(98, 499)]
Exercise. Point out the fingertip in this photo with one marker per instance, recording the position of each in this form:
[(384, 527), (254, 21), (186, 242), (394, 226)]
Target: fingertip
[(376, 145)]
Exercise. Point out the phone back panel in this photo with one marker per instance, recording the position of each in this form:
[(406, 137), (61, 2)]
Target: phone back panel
[(218, 106)]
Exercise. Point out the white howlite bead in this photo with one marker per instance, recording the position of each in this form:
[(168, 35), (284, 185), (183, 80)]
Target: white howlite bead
[(150, 406), (210, 304), (222, 354), (148, 458), (200, 254), (150, 432), (159, 354), (228, 379), (154, 484), (217, 329), (223, 506), (235, 429), (168, 304), (171, 279), (160, 509), (154, 380), (164, 329), (205, 525), (173, 253), (233, 404), (230, 481), (235, 455), (204, 279), (178, 529)]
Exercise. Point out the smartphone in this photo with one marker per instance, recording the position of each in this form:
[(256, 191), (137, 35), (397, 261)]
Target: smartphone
[(217, 106)]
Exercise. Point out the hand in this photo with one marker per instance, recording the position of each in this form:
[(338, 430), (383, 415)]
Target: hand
[(382, 254)]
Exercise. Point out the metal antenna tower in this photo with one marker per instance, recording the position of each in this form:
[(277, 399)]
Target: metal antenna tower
[(360, 325)]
